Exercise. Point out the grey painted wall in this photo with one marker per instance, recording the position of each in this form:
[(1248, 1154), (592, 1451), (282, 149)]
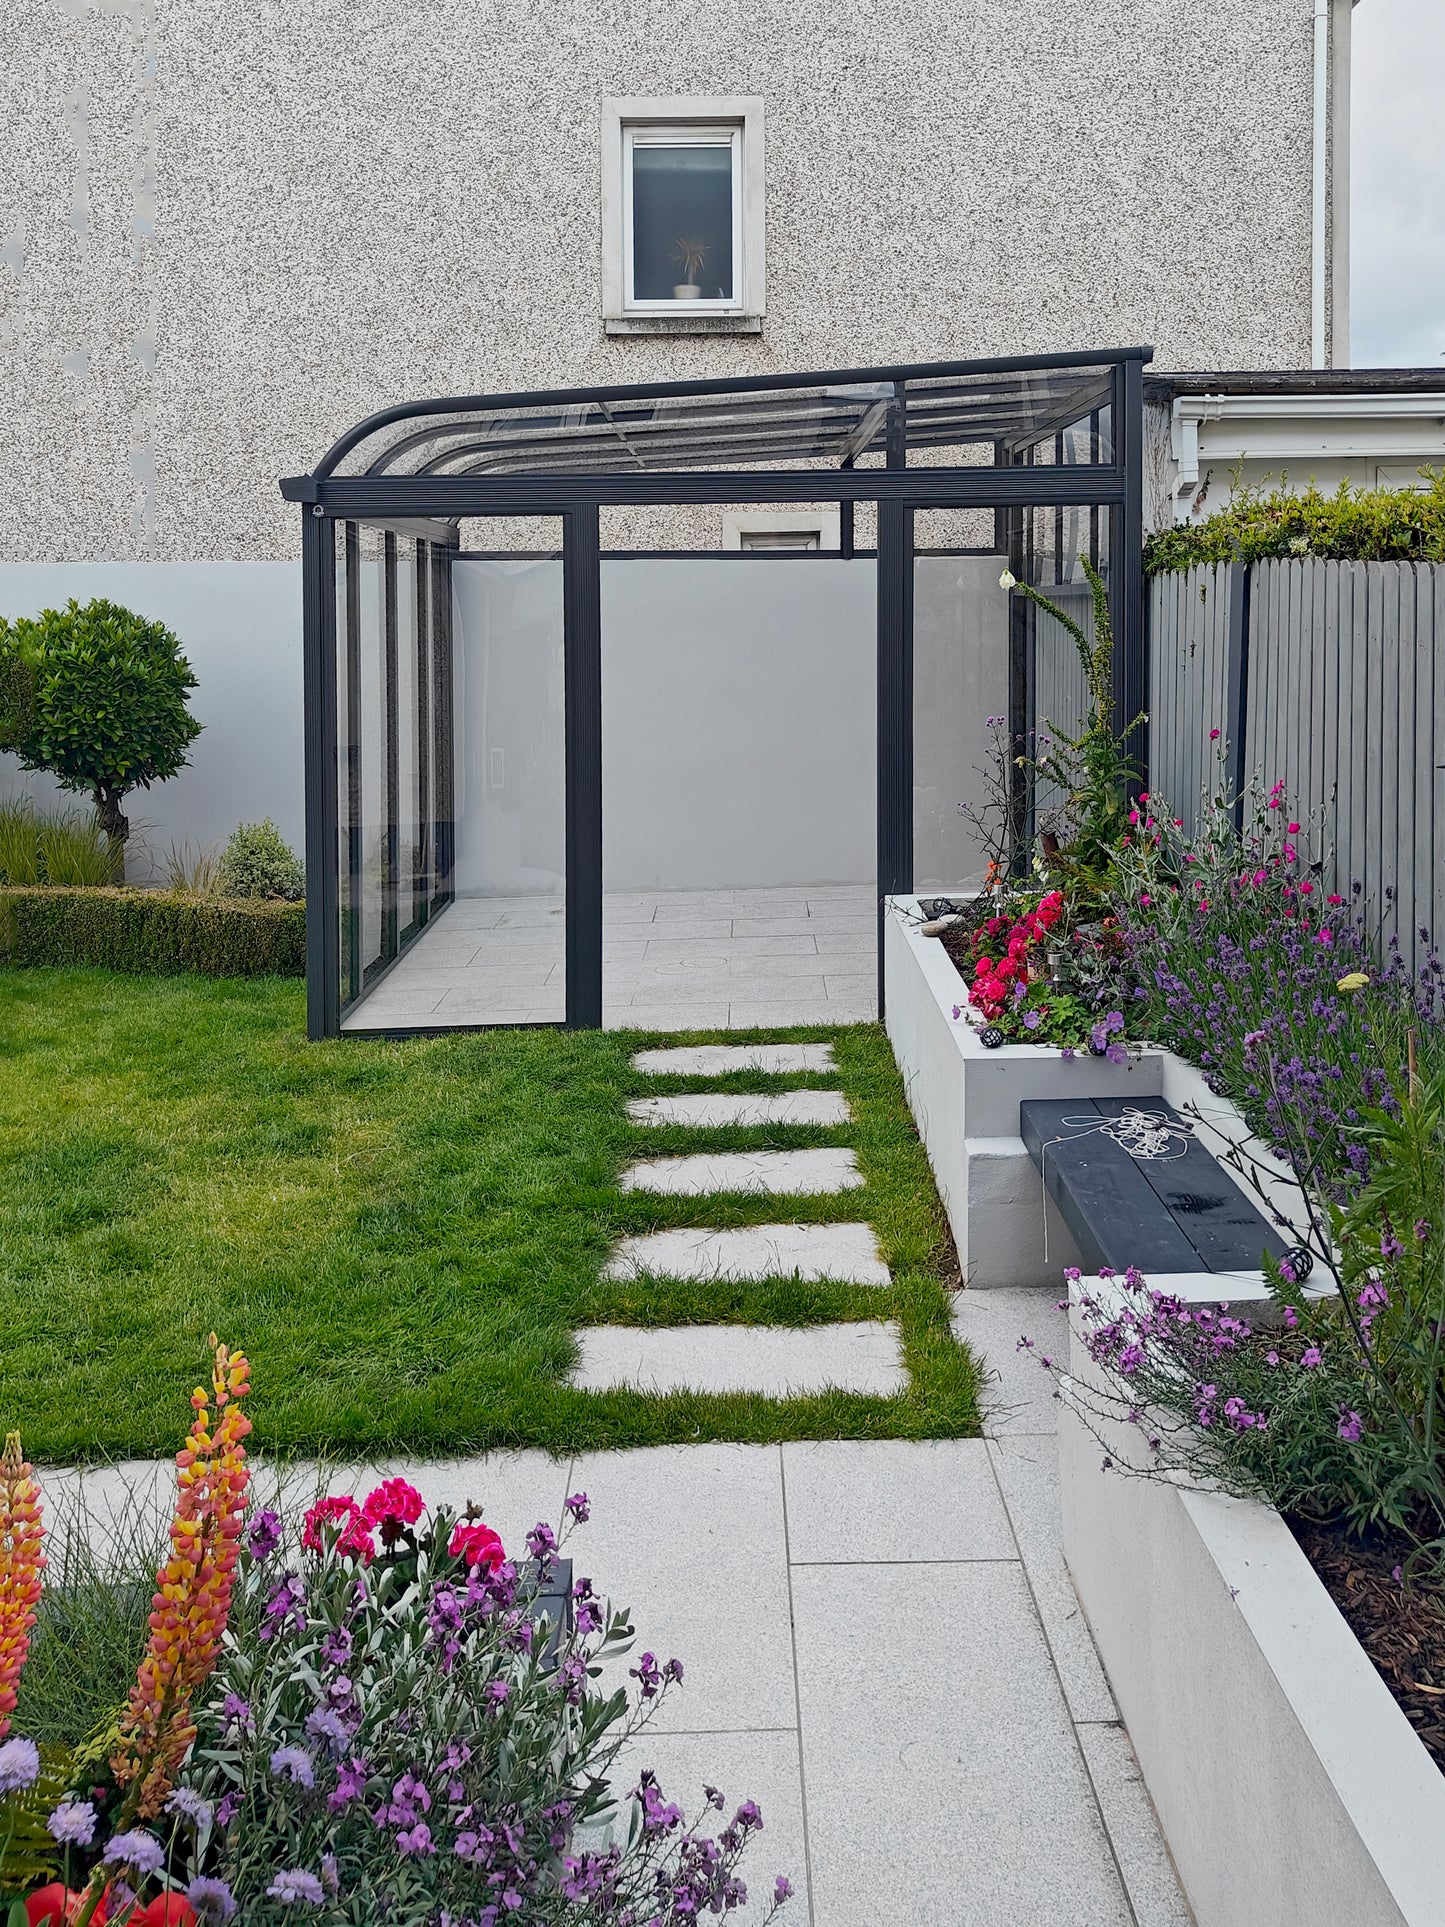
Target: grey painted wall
[(738, 720), (240, 624), (227, 232)]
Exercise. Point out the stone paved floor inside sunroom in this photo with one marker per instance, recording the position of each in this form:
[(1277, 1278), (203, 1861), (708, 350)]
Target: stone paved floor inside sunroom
[(671, 960)]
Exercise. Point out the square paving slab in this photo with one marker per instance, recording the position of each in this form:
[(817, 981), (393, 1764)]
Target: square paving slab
[(845, 1253), (717, 1060), (708, 1108), (785, 1173), (774, 1360)]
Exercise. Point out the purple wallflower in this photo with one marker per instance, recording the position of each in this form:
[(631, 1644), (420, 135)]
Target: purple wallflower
[(72, 1824), (265, 1534), (236, 1712), (211, 1900), (1350, 1427), (580, 1506), (1311, 1356), (296, 1885), (782, 1890), (19, 1765), (417, 1841), (350, 1784), (227, 1807)]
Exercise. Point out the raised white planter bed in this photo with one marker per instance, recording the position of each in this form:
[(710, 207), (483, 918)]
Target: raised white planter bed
[(1291, 1788), (965, 1101)]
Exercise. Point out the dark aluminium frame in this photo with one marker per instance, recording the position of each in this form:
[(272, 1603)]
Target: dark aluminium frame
[(428, 507)]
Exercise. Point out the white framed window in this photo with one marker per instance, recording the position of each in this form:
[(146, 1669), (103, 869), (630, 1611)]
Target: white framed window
[(682, 206), (798, 530)]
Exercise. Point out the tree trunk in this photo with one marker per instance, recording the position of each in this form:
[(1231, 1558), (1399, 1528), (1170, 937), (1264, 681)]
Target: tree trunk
[(109, 816)]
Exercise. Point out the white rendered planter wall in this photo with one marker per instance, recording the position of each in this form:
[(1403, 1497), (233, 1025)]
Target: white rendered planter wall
[(1291, 1788), (965, 1101)]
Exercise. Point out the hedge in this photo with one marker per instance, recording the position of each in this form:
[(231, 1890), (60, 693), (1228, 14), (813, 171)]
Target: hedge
[(1352, 525), (152, 931)]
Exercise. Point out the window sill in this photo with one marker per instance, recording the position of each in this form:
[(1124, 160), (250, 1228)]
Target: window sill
[(696, 324)]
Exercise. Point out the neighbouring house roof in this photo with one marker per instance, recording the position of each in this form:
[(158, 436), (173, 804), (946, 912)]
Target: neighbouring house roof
[(1164, 385)]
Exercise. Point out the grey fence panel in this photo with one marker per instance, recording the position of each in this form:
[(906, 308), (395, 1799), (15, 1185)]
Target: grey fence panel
[(1345, 704), (1189, 683)]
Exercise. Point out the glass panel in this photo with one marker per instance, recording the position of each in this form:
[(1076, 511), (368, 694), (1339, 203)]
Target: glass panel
[(348, 765), (408, 812), (682, 220), (738, 787), (960, 718), (370, 849), (505, 935)]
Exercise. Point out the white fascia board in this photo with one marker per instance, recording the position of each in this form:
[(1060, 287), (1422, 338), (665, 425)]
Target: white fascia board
[(1294, 427)]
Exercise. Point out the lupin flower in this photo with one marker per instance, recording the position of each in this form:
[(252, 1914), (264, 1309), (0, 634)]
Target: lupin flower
[(21, 1564), (193, 1589)]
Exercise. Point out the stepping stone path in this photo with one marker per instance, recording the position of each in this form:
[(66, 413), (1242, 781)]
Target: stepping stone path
[(778, 1362)]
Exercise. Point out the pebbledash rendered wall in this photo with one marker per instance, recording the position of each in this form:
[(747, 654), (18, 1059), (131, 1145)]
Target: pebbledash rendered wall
[(227, 231)]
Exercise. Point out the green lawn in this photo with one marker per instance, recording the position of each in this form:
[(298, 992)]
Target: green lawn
[(402, 1236)]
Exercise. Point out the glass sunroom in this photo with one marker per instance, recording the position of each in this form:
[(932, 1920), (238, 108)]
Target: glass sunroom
[(587, 741)]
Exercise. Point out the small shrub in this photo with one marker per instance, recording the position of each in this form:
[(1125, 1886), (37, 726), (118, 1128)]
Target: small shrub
[(1352, 525), (97, 695), (152, 932), (258, 862)]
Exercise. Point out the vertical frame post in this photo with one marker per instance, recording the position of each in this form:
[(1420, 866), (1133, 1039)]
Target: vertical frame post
[(391, 756), (582, 677), (895, 687), (425, 833), (444, 829), (1236, 691), (352, 541), (318, 654), (1126, 561)]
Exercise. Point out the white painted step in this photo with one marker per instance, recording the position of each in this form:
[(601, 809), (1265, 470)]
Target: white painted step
[(772, 1360), (845, 1254), (716, 1060), (708, 1108), (754, 1172)]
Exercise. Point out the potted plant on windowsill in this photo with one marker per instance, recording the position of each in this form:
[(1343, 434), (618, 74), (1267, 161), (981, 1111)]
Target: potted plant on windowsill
[(690, 256)]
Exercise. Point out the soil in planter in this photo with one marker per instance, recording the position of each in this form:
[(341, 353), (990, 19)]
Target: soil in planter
[(956, 940), (1402, 1631)]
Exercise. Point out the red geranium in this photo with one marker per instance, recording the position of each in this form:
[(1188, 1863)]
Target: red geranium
[(393, 1499), (477, 1544), (57, 1905), (353, 1537)]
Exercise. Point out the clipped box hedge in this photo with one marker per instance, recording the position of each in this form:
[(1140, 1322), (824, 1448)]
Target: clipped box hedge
[(152, 931)]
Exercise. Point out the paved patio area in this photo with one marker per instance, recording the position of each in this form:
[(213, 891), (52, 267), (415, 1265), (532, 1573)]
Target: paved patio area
[(882, 1648), (671, 960)]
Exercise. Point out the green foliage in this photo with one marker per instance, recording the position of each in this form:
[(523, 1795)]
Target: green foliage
[(28, 1855), (258, 862), (1352, 525), (152, 931), (97, 696), (1092, 768), (194, 869)]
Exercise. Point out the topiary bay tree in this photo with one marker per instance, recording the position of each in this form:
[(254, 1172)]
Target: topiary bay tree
[(96, 695)]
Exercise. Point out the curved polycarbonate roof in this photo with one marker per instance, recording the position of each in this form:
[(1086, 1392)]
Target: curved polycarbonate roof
[(837, 418)]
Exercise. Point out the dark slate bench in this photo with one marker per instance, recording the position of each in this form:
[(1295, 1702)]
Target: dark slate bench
[(1135, 1188)]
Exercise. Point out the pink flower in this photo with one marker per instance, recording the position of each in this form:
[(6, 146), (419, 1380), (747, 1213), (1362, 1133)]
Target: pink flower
[(1311, 1357), (393, 1499), (1214, 735), (353, 1538), (477, 1545), (1146, 900), (1294, 829)]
